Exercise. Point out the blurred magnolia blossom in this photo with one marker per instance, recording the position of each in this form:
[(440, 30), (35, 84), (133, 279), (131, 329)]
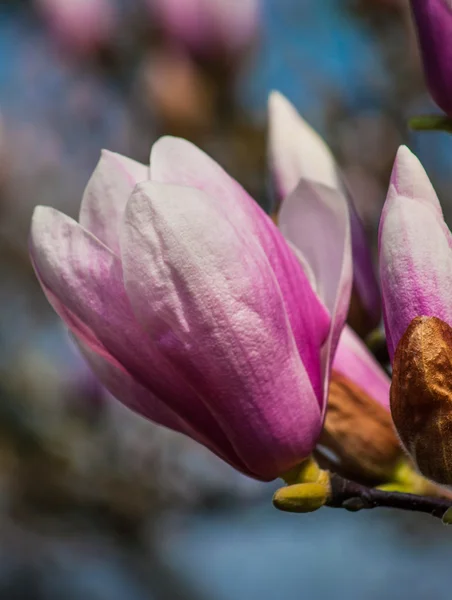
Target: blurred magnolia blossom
[(433, 19), (296, 152), (179, 96), (81, 26), (416, 276), (186, 300), (208, 27)]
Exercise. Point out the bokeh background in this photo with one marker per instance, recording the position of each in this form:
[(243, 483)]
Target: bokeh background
[(96, 503)]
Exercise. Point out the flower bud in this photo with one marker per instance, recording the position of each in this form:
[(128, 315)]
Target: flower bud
[(301, 498), (206, 27), (421, 396), (81, 27)]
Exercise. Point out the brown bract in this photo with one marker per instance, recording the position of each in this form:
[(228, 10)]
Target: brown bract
[(359, 431), (421, 396)]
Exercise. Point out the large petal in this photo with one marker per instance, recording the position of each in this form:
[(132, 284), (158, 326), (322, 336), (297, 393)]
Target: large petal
[(106, 196), (354, 361), (177, 161), (315, 218), (203, 287), (298, 152), (415, 251), (83, 281), (123, 386)]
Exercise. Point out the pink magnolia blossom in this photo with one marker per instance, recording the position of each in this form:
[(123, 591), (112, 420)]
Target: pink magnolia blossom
[(206, 26), (415, 251), (79, 25), (433, 19), (297, 152), (416, 275), (192, 309)]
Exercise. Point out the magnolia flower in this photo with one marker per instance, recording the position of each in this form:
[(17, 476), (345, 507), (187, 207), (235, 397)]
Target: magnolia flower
[(79, 25), (192, 309), (206, 26), (433, 19), (416, 278), (297, 152)]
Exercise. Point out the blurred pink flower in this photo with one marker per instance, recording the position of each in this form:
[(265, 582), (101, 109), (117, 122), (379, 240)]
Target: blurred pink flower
[(209, 26), (192, 309), (79, 25), (433, 19)]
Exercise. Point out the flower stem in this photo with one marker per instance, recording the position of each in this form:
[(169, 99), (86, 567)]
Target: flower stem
[(354, 497), (431, 123)]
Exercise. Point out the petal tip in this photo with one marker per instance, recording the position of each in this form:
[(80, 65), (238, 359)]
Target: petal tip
[(41, 216), (410, 180), (405, 159), (281, 108), (44, 222), (165, 142), (107, 159), (276, 99), (406, 166), (108, 156), (167, 151)]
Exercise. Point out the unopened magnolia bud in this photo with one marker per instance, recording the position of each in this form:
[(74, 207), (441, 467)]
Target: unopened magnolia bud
[(359, 432), (301, 498), (421, 396)]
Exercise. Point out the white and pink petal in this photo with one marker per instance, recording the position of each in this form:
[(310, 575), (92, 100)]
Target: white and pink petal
[(415, 252), (106, 196), (174, 160), (315, 218), (296, 151), (83, 281), (204, 289)]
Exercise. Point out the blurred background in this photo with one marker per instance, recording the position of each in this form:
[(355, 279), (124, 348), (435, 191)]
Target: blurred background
[(96, 503)]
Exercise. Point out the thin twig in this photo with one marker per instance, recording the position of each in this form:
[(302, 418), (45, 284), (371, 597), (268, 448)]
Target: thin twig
[(354, 496), (431, 123)]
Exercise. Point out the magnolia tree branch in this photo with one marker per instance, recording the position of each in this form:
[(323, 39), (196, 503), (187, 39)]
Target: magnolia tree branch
[(354, 497)]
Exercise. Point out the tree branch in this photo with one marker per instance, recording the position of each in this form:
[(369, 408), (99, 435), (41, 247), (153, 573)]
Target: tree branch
[(354, 497)]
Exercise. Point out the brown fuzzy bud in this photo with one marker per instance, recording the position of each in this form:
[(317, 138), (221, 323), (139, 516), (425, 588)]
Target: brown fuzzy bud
[(421, 396), (360, 433)]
